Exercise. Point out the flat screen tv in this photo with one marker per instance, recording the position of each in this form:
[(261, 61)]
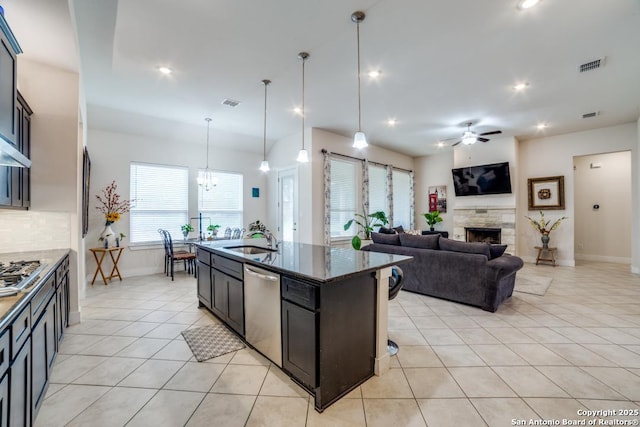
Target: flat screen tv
[(482, 179)]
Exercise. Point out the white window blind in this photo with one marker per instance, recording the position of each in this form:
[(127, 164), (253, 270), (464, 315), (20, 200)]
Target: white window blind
[(223, 204), (401, 199), (160, 199), (378, 189), (343, 197)]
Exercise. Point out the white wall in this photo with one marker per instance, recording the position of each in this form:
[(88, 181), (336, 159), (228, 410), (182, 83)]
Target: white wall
[(554, 156), (53, 221), (111, 154), (432, 171), (605, 180)]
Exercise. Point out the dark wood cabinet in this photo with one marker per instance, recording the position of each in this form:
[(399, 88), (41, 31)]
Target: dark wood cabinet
[(204, 285), (43, 351), (221, 288), (9, 49), (4, 401), (20, 388), (299, 346), (21, 177)]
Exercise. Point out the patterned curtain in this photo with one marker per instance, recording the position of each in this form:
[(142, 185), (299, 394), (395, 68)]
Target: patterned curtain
[(365, 186), (327, 197), (390, 193), (412, 202)]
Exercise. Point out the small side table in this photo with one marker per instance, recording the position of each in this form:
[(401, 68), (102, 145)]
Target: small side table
[(550, 255), (99, 254)]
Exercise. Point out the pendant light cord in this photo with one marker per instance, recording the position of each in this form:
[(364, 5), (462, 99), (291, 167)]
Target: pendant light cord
[(303, 113), (208, 123), (358, 43), (264, 135)]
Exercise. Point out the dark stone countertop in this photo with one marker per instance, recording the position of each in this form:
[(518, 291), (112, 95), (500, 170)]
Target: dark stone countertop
[(10, 306), (311, 262)]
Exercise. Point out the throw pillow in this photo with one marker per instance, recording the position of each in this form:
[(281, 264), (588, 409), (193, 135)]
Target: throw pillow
[(399, 229), (386, 239), (385, 230), (497, 250), (422, 242), (464, 247)]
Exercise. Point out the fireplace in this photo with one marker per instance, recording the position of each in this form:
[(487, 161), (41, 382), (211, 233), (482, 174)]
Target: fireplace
[(483, 234)]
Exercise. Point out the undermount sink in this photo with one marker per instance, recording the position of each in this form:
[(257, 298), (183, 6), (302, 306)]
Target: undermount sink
[(250, 249)]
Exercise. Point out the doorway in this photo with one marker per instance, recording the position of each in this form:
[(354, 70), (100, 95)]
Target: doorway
[(603, 207), (288, 204)]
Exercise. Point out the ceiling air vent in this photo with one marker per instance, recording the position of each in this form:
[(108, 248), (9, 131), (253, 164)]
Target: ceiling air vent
[(589, 115), (230, 102), (591, 65)]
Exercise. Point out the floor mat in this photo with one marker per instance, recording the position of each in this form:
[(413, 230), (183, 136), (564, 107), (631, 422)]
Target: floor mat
[(535, 285), (211, 341)]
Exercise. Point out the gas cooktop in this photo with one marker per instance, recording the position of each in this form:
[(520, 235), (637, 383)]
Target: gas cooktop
[(17, 275)]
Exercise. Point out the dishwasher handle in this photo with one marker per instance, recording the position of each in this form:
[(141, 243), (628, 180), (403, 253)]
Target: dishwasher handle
[(260, 275)]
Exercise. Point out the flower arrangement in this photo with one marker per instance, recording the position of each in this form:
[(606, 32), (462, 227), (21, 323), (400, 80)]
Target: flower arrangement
[(110, 204), (542, 225)]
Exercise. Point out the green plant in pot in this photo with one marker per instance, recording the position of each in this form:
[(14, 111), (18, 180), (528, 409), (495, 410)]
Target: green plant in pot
[(365, 225), (432, 219), (213, 230), (186, 229)]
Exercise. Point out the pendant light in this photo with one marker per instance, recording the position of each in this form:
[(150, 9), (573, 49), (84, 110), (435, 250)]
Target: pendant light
[(264, 166), (303, 155), (359, 139), (206, 180)]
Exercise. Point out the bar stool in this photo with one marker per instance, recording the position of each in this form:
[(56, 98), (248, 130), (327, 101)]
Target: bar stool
[(395, 284)]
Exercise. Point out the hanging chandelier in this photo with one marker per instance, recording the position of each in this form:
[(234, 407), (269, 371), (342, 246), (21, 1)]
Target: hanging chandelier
[(264, 166), (359, 139), (303, 154), (206, 179)]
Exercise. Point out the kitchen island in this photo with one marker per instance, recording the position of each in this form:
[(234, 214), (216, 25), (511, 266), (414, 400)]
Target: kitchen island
[(320, 313)]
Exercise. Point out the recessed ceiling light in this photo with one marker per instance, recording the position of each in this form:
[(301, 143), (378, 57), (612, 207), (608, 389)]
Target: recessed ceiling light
[(527, 4), (440, 144), (165, 70), (541, 126), (392, 122), (374, 74), (298, 111), (521, 86)]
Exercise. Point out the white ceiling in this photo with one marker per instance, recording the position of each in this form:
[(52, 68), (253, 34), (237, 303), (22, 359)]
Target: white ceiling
[(443, 63)]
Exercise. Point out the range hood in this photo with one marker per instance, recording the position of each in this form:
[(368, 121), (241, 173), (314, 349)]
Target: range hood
[(10, 156)]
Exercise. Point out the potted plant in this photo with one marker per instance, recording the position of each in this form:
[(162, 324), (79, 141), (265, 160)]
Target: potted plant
[(186, 229), (365, 224), (257, 229), (213, 230), (432, 219)]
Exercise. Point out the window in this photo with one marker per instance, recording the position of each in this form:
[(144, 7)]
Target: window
[(223, 204), (401, 199), (343, 197), (378, 189), (160, 199)]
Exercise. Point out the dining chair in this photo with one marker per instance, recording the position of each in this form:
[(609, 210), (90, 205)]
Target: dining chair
[(172, 256), (227, 233)]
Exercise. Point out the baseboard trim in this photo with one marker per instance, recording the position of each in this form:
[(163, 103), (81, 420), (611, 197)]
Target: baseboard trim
[(603, 258), (75, 317)]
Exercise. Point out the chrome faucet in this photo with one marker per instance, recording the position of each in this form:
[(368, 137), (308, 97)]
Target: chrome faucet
[(271, 239)]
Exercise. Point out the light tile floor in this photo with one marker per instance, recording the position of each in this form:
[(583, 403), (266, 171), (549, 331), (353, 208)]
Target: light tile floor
[(537, 357)]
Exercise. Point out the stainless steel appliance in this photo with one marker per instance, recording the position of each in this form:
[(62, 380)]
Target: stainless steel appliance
[(262, 312), (18, 275)]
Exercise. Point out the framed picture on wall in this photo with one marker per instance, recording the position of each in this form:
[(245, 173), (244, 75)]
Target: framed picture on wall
[(440, 192), (546, 193)]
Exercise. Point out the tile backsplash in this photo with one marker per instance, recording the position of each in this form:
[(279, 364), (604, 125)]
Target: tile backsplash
[(33, 231)]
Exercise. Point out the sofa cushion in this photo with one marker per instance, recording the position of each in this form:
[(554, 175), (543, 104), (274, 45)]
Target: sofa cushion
[(399, 229), (385, 230), (418, 241), (386, 239), (497, 250), (464, 247)]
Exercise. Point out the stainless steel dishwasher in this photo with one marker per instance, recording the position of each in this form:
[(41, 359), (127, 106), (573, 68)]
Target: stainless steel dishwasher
[(262, 312)]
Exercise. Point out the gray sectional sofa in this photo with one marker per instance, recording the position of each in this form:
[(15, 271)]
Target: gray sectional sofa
[(477, 273)]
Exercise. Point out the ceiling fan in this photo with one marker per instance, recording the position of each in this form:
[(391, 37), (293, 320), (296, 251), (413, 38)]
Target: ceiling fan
[(469, 137)]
